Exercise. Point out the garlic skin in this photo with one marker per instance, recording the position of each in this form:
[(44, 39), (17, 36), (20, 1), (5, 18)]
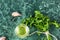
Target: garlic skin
[(14, 14), (2, 38), (17, 31)]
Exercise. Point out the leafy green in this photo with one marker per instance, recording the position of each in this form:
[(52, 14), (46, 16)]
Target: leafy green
[(40, 21), (55, 23), (49, 37)]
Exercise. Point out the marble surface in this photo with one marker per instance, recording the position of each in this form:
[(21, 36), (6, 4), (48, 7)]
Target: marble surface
[(51, 8)]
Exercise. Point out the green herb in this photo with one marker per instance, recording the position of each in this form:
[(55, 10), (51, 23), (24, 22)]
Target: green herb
[(22, 30), (41, 22)]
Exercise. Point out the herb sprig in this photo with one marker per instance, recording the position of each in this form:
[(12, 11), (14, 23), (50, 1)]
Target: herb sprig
[(41, 22)]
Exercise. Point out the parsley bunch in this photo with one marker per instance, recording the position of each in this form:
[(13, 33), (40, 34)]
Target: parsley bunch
[(41, 22)]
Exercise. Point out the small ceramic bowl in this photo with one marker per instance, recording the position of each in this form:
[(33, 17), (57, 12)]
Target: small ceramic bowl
[(22, 31)]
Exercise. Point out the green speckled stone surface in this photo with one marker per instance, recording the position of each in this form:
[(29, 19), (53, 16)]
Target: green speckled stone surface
[(51, 8)]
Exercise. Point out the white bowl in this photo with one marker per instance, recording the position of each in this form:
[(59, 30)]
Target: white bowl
[(18, 30)]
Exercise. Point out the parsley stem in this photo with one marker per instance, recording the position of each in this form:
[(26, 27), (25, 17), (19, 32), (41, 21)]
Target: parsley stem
[(46, 33), (53, 36), (35, 32)]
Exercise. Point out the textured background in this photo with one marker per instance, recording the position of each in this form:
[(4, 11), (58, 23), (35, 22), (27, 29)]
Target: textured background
[(51, 8)]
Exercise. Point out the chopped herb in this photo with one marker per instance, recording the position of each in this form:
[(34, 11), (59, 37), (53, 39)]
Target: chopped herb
[(41, 22)]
